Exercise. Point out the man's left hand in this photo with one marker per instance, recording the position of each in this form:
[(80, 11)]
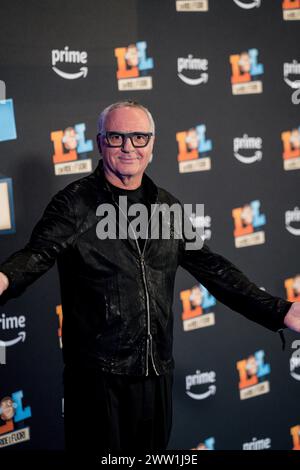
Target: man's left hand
[(292, 318)]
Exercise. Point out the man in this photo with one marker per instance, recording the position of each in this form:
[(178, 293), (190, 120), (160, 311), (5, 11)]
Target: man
[(117, 294)]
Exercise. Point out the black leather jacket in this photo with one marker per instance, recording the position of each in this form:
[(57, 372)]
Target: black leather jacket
[(117, 300)]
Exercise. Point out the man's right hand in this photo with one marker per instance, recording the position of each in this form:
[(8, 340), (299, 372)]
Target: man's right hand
[(4, 282)]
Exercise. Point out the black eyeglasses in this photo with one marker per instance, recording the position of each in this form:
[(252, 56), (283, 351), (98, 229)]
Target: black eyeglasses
[(117, 139)]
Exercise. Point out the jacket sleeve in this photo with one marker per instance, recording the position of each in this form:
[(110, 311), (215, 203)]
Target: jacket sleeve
[(231, 287), (52, 234)]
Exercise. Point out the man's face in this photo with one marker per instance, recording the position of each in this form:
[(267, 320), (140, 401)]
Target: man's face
[(126, 160), (192, 139), (132, 55), (295, 138), (70, 139), (251, 366), (244, 62), (247, 214), (196, 297), (7, 409)]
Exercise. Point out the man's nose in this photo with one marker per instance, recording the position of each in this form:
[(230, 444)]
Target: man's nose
[(127, 145)]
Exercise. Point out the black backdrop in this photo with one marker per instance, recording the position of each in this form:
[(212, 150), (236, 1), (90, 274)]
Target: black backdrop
[(44, 102)]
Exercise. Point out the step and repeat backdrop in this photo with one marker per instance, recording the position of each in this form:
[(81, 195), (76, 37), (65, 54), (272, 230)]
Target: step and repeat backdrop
[(222, 79)]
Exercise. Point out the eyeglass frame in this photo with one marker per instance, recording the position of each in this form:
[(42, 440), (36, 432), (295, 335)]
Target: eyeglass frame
[(126, 135)]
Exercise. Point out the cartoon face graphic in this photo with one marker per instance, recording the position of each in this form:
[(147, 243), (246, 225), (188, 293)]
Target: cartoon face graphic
[(244, 62), (7, 410), (200, 446), (247, 214), (70, 138), (192, 139), (296, 285), (132, 56), (295, 138), (196, 296), (251, 366)]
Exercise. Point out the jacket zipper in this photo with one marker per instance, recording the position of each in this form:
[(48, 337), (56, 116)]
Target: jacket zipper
[(142, 262), (149, 335)]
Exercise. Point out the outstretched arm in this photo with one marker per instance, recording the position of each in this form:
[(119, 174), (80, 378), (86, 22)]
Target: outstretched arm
[(52, 234), (231, 287)]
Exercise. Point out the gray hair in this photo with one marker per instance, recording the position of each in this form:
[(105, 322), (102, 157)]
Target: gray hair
[(123, 104)]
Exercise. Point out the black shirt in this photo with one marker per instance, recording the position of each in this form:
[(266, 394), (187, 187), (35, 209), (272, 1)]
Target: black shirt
[(134, 196)]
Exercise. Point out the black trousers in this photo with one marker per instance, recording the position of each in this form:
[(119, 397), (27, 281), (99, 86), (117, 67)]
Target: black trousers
[(105, 412)]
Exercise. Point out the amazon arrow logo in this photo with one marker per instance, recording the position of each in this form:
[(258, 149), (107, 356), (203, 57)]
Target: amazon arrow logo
[(21, 337), (71, 76), (201, 396), (257, 156), (248, 6)]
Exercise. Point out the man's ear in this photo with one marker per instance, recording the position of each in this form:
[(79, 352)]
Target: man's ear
[(153, 141), (99, 144)]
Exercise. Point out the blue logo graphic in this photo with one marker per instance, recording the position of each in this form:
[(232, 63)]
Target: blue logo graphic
[(7, 120)]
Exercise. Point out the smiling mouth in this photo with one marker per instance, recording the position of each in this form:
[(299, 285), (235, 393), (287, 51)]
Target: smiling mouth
[(128, 159)]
